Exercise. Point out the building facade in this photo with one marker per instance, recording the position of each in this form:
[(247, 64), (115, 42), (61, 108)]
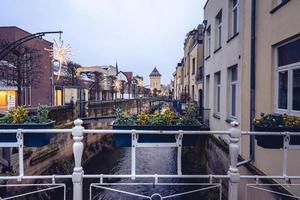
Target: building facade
[(188, 76), (252, 67), (223, 61), (155, 81), (275, 70), (30, 95), (178, 81)]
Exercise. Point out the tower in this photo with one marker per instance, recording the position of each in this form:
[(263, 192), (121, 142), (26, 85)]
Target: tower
[(155, 80)]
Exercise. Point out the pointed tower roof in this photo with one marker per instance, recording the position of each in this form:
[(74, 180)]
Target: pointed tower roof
[(117, 68), (155, 72)]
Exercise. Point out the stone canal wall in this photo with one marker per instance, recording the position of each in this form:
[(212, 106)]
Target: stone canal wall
[(217, 162), (93, 144)]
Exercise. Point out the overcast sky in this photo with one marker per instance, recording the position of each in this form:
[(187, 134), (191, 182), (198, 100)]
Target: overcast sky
[(139, 34)]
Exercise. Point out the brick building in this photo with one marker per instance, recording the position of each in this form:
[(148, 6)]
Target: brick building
[(34, 94)]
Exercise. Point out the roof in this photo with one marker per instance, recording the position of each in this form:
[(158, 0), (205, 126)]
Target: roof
[(205, 4), (18, 33), (155, 72), (128, 75)]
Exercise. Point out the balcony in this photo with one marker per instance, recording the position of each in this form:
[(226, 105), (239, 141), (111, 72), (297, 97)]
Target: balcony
[(99, 183)]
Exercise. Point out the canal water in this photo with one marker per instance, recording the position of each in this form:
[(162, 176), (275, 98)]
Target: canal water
[(148, 161)]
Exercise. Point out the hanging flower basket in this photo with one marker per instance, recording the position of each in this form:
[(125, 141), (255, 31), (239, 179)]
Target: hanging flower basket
[(276, 123), (165, 120), (21, 119), (275, 141), (125, 140), (30, 139)]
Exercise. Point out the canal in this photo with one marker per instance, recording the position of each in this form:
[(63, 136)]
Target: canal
[(148, 161)]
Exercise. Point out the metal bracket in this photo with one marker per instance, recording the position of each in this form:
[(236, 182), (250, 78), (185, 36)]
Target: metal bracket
[(177, 144)]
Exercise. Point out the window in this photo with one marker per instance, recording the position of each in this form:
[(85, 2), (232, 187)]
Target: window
[(29, 96), (218, 38), (193, 65), (234, 17), (208, 42), (288, 78), (24, 96), (282, 89), (296, 90), (233, 80), (58, 97), (200, 74), (207, 92), (193, 92), (217, 96)]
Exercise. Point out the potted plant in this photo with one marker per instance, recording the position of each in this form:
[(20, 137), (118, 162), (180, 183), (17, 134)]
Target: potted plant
[(276, 123), (165, 120), (20, 119)]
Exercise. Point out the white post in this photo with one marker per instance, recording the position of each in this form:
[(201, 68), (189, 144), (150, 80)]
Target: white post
[(179, 151), (233, 171), (77, 133), (134, 142), (21, 152), (286, 146)]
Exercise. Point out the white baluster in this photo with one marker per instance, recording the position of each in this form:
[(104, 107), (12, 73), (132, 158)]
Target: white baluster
[(77, 133), (134, 142), (21, 153), (233, 172), (179, 151)]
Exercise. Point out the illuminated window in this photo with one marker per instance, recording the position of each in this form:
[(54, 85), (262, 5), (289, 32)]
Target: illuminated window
[(58, 97)]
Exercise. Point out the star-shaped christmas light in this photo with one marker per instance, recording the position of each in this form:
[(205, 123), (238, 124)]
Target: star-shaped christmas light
[(61, 53)]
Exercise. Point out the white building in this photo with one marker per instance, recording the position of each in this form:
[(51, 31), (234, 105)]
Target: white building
[(223, 61)]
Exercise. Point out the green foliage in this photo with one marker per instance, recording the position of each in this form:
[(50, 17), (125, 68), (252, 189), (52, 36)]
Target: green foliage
[(21, 116), (166, 117), (277, 120), (123, 118), (143, 118), (42, 114), (189, 117), (157, 119), (5, 120), (18, 116)]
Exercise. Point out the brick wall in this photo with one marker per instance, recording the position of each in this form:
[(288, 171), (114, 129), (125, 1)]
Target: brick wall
[(41, 92)]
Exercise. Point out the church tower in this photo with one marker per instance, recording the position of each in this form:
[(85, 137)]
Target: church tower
[(155, 80)]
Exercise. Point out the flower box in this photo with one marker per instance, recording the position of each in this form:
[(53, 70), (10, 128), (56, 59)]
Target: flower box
[(30, 139), (124, 140), (275, 141)]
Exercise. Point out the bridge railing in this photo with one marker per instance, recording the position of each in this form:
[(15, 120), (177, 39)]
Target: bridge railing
[(233, 176)]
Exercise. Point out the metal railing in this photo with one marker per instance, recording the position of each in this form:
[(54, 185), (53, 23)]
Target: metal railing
[(233, 176)]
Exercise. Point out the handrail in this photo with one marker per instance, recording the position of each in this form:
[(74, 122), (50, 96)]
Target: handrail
[(78, 131)]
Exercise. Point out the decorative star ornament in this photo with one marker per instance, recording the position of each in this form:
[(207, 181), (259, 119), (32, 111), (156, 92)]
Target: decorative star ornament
[(61, 53)]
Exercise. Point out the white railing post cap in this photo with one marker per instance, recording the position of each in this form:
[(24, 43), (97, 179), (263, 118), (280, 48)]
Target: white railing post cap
[(234, 131), (78, 122), (234, 177)]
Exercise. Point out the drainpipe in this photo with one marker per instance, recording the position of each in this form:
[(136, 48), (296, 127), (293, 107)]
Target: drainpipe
[(252, 82)]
